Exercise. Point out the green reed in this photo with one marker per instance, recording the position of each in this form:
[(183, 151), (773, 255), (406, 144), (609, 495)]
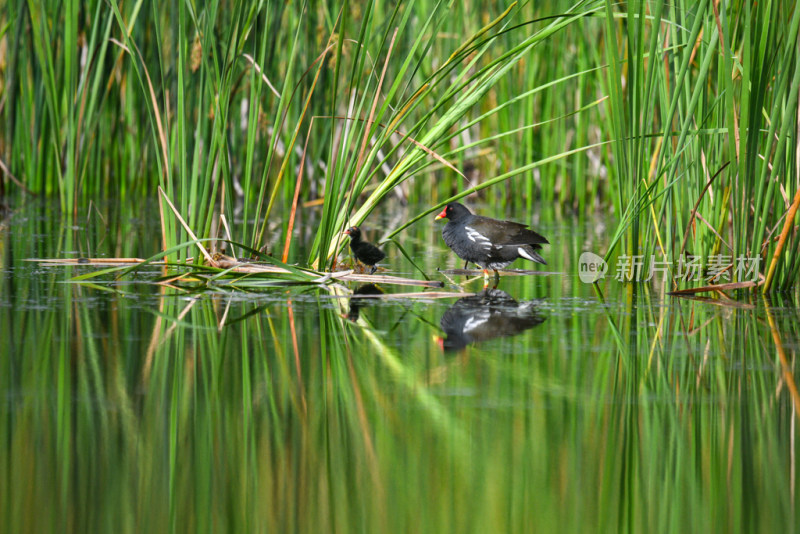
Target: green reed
[(701, 93), (267, 116)]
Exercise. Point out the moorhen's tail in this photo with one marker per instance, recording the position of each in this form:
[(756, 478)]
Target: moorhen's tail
[(529, 252)]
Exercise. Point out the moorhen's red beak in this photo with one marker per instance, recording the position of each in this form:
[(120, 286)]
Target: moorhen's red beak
[(346, 232), (442, 215)]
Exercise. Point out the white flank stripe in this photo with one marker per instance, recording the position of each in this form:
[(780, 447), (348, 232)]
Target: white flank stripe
[(475, 236), (475, 321)]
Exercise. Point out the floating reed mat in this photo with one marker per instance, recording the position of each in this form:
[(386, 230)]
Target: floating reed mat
[(503, 272), (720, 288), (234, 267), (423, 295)]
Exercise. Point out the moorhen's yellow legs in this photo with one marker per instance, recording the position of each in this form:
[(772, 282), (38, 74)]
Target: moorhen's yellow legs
[(486, 278)]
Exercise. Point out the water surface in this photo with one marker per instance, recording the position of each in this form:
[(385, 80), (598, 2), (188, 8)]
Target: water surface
[(142, 407)]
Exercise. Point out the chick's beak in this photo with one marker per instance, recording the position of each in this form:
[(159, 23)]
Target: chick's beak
[(442, 215)]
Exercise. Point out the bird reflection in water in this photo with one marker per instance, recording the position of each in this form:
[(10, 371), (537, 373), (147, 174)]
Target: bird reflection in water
[(490, 314), (359, 302)]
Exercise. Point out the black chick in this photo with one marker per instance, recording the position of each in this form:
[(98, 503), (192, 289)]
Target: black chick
[(366, 253)]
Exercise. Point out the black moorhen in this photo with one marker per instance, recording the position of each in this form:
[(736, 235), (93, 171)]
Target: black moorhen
[(490, 314), (366, 253), (488, 243)]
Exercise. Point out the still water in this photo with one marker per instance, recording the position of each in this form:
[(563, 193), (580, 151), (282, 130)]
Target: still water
[(545, 405)]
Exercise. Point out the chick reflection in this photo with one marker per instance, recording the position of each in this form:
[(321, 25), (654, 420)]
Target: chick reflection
[(357, 303), (489, 314)]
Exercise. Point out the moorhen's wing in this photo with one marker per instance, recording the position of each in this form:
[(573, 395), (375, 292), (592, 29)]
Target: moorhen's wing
[(525, 236), (368, 253), (505, 232)]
